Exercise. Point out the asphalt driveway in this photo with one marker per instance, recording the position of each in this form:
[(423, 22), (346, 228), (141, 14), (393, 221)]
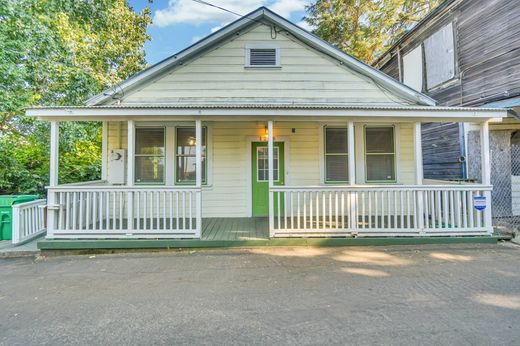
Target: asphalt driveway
[(428, 295)]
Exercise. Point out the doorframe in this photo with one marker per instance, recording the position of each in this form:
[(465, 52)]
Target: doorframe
[(249, 167)]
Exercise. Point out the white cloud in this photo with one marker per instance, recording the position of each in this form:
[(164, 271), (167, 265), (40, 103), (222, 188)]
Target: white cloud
[(191, 12), (304, 25)]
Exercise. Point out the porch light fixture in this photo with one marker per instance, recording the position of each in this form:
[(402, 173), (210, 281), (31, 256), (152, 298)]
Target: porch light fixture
[(265, 136)]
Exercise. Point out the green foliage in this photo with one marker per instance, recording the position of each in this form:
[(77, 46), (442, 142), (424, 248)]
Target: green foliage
[(365, 28), (60, 52)]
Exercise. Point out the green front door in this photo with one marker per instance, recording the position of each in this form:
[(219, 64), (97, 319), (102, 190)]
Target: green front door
[(260, 175)]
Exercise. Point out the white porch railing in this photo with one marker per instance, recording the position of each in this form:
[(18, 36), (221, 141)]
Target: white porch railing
[(102, 212), (28, 220), (425, 210)]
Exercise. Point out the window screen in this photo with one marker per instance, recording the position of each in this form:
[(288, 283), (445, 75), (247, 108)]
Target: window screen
[(185, 154), (380, 154), (336, 154), (439, 53), (149, 155), (262, 57)]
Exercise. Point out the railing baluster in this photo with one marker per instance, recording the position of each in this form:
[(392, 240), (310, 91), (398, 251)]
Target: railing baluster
[(343, 210), (451, 213), (191, 226), (164, 210), (170, 193), (177, 211), (184, 210), (298, 209)]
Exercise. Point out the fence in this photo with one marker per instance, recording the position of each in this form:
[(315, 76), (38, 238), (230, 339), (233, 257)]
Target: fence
[(28, 220)]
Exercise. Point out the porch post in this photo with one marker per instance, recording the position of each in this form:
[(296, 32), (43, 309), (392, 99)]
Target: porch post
[(351, 154), (130, 174), (54, 154), (419, 177), (198, 176), (486, 171), (52, 208), (270, 153)]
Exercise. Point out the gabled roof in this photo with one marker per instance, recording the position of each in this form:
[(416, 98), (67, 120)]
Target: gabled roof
[(263, 14)]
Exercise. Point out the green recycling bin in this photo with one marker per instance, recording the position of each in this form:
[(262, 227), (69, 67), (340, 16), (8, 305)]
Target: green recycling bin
[(6, 213)]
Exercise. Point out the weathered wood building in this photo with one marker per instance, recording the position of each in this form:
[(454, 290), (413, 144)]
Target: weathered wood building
[(466, 53)]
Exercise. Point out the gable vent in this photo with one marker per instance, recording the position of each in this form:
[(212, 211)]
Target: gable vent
[(262, 57)]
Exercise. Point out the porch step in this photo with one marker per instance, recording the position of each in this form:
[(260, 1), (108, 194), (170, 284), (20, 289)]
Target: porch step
[(196, 243)]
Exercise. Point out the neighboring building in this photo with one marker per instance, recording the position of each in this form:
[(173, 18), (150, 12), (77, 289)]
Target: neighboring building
[(262, 130), (467, 53)]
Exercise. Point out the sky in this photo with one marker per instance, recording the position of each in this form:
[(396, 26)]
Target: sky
[(180, 23)]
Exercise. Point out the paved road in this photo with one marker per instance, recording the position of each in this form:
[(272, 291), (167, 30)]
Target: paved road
[(429, 295)]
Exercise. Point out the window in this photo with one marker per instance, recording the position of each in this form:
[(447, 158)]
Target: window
[(379, 154), (262, 164), (149, 155), (413, 69), (336, 154), (439, 54), (185, 155), (262, 56)]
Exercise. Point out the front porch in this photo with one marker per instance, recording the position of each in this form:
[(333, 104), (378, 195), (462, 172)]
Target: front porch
[(182, 180)]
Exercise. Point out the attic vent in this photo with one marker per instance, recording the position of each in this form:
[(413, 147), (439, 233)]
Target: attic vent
[(262, 57)]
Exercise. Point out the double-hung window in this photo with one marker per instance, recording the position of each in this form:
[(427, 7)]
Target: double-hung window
[(336, 154), (149, 155), (380, 154), (185, 155)]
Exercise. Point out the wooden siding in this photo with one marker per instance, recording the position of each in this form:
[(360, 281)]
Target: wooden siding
[(487, 52), (230, 170), (220, 75)]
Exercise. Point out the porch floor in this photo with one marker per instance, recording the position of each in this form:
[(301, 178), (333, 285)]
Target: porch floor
[(235, 228)]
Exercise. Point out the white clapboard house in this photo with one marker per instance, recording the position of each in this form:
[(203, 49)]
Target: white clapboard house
[(263, 130)]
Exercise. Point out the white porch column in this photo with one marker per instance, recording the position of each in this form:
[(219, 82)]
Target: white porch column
[(104, 151), (419, 177), (130, 173), (52, 208), (486, 171), (270, 153), (54, 154), (351, 154), (131, 154), (198, 176)]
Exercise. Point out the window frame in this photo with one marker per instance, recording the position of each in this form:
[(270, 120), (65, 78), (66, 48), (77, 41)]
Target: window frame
[(365, 154), (249, 47), (324, 155), (164, 156), (203, 156)]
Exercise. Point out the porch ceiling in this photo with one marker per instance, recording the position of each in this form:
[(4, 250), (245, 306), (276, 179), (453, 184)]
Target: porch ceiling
[(277, 111)]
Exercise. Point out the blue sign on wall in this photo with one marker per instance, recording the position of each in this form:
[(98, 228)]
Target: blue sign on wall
[(479, 202)]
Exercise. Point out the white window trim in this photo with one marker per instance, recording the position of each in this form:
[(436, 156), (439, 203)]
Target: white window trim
[(248, 48)]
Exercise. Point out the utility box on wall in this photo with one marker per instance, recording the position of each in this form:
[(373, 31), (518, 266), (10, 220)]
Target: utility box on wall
[(117, 166)]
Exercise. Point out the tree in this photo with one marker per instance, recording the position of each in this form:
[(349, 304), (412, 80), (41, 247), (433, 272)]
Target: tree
[(365, 28), (60, 52)]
